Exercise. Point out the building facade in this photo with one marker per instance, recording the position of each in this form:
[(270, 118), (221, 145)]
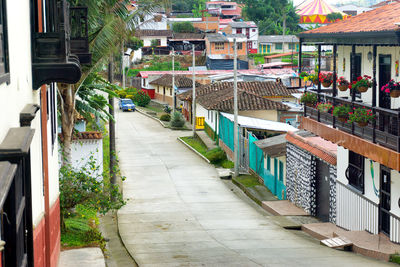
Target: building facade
[(369, 156), (36, 50), (277, 44)]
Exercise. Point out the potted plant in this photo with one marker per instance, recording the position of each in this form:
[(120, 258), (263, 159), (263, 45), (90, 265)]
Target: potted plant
[(362, 116), (362, 84), (313, 77), (309, 99), (324, 107), (392, 87), (303, 74), (326, 78), (343, 84), (341, 112)]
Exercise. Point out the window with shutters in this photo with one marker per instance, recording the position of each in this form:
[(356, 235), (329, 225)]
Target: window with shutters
[(4, 67)]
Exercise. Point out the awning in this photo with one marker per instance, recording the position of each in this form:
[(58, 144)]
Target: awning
[(273, 146), (254, 123)]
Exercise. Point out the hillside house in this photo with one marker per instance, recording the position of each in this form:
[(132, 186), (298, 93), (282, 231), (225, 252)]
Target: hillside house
[(224, 9), (248, 28), (277, 44)]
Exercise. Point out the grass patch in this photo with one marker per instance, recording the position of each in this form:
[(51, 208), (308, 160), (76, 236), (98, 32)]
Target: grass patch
[(200, 147), (227, 164), (81, 229), (196, 143), (155, 109), (248, 180)]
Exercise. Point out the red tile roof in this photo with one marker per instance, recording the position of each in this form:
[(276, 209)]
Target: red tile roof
[(321, 148), (376, 20), (84, 135)]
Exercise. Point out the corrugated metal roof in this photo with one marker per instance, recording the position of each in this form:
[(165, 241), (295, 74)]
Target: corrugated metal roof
[(254, 123), (277, 39), (273, 146)]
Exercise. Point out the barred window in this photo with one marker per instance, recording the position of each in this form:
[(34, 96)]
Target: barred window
[(219, 46)]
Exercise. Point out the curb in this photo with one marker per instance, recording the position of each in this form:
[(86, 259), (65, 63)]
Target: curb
[(244, 189), (144, 113), (194, 150)]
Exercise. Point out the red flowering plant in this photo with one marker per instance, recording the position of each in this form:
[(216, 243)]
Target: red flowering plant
[(390, 86), (325, 107), (361, 115), (326, 78), (343, 84), (362, 83)]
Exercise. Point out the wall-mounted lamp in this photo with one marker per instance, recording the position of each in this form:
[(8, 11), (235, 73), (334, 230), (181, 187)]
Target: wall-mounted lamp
[(369, 56)]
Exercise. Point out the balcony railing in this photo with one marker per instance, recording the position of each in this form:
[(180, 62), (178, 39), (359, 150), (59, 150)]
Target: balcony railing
[(385, 130), (79, 34)]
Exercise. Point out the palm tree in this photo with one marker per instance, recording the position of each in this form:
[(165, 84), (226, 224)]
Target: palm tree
[(110, 23)]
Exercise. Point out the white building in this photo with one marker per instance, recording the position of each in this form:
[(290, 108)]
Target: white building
[(29, 191), (247, 28)]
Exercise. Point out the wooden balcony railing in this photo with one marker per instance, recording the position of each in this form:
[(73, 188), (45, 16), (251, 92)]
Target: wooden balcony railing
[(385, 130)]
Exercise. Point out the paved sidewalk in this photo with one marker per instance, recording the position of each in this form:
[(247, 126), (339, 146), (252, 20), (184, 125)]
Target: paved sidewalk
[(180, 213), (82, 257)]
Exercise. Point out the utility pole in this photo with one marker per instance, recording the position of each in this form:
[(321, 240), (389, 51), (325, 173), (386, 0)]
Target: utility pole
[(123, 66), (194, 94), (113, 176), (284, 32), (235, 111), (173, 81)]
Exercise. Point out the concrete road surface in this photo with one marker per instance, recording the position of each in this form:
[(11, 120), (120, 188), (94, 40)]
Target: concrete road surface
[(180, 213)]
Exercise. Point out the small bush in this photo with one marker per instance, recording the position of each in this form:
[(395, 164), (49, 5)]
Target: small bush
[(141, 98), (122, 94), (177, 120), (165, 117), (216, 155)]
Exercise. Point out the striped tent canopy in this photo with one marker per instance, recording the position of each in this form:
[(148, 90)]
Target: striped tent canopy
[(315, 11)]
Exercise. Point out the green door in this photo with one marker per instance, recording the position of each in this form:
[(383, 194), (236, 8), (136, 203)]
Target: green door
[(268, 49)]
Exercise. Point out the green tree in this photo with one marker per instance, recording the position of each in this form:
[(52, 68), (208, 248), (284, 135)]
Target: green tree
[(270, 15), (198, 6), (110, 24), (185, 26), (332, 17)]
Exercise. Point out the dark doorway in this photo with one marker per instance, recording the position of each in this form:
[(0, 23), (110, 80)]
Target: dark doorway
[(384, 77), (384, 98), (384, 201), (357, 70), (323, 188)]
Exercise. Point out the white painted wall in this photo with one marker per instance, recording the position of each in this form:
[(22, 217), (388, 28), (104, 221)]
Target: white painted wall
[(342, 164), (366, 69), (395, 193), (147, 40)]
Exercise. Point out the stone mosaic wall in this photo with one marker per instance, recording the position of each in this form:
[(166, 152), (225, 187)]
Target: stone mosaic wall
[(332, 194), (300, 178), (301, 181)]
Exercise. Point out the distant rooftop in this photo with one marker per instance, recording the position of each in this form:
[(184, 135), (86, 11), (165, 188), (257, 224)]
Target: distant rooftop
[(278, 39)]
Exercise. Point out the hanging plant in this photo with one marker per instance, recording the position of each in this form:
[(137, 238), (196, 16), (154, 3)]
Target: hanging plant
[(343, 84), (326, 78), (362, 83), (392, 88), (342, 112), (361, 116), (309, 99), (324, 107)]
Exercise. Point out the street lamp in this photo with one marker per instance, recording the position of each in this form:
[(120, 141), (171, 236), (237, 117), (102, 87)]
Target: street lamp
[(194, 90)]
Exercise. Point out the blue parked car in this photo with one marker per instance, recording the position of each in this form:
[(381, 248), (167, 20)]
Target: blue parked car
[(126, 104)]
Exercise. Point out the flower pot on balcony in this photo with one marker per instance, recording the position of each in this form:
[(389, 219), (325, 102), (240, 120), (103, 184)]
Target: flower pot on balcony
[(342, 119), (362, 124), (362, 89), (395, 93), (315, 82), (326, 84), (343, 88), (311, 105)]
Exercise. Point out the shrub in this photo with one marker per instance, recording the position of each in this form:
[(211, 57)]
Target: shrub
[(142, 98), (86, 186), (165, 117), (185, 26), (216, 155), (167, 109), (177, 120), (122, 94)]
